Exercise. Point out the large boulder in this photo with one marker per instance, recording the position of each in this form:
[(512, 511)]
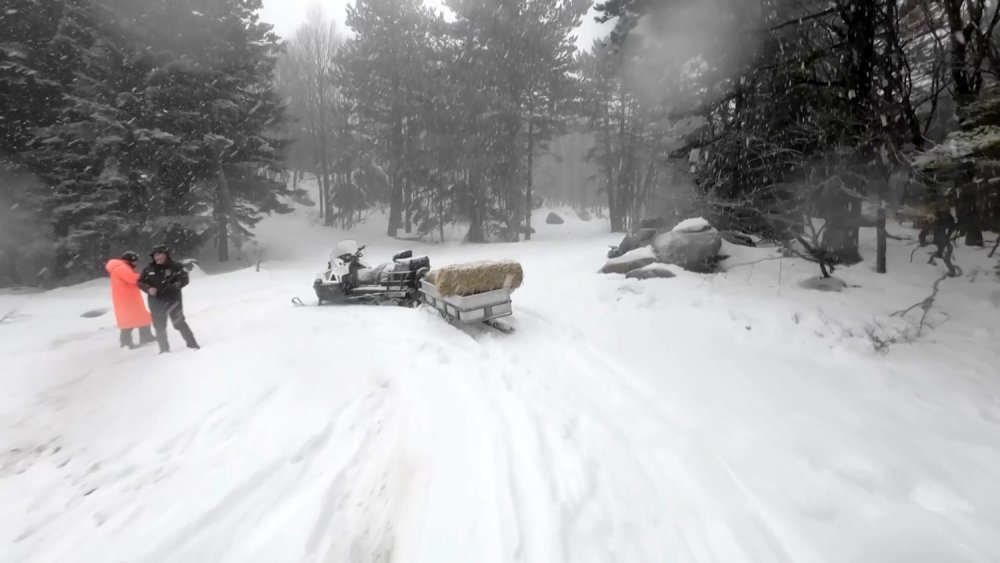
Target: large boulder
[(554, 219), (693, 225), (830, 284), (739, 239), (651, 271), (629, 261), (655, 223), (693, 245), (632, 241), (583, 214)]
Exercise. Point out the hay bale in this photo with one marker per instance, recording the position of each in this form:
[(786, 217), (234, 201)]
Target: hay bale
[(471, 278)]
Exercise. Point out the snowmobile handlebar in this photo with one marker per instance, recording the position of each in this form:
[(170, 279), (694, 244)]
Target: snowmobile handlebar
[(347, 257)]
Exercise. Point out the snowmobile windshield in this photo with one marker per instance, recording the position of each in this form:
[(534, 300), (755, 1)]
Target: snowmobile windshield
[(349, 246)]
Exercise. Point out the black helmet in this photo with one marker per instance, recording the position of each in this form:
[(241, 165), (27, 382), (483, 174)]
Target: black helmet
[(160, 248), (130, 256)]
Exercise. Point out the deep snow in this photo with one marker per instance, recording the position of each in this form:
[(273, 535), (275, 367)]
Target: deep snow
[(731, 417)]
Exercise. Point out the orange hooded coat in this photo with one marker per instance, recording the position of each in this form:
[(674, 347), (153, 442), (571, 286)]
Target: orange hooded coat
[(130, 311)]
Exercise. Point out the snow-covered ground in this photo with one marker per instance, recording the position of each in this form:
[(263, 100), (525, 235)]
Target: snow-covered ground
[(730, 418)]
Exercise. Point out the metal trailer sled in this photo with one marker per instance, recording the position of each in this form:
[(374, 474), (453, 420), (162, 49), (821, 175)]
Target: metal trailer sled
[(485, 308)]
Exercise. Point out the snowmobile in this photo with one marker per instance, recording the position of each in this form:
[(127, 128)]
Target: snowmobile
[(404, 282), (349, 279)]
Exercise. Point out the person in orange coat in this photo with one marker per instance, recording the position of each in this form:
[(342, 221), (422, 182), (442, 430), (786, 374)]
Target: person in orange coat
[(130, 310)]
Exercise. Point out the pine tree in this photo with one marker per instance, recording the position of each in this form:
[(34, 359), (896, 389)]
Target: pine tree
[(153, 122), (71, 141), (383, 65), (216, 104)]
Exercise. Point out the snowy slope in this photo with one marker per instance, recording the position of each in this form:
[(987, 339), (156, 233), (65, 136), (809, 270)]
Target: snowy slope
[(735, 417)]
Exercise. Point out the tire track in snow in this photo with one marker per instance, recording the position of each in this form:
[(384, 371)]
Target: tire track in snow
[(242, 510), (538, 409), (621, 415)]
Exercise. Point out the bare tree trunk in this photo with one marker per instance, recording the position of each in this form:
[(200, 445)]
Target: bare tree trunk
[(476, 204), (395, 176), (529, 194), (324, 186), (880, 244), (10, 257), (321, 189), (408, 203), (223, 209), (623, 173), (440, 210)]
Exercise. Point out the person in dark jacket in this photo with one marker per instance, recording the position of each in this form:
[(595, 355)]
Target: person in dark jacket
[(163, 280)]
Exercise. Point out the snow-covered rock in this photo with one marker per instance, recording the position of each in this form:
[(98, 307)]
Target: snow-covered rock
[(820, 283), (633, 241), (693, 225), (655, 270), (692, 245), (656, 223), (740, 239), (554, 219), (632, 260)]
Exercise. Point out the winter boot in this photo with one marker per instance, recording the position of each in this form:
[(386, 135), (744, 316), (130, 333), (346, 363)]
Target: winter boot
[(188, 336), (125, 339), (146, 335)]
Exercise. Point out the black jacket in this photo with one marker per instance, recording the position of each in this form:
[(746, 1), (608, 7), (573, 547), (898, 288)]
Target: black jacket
[(168, 279)]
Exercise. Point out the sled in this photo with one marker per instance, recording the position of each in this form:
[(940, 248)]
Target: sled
[(485, 308)]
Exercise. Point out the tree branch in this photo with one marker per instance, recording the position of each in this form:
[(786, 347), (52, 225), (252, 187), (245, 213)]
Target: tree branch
[(925, 304), (800, 20)]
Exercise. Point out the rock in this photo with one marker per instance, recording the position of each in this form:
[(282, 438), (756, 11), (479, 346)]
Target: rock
[(655, 223), (694, 225), (554, 219), (583, 214), (693, 250), (651, 271), (632, 241), (94, 313), (737, 238), (820, 283), (629, 261)]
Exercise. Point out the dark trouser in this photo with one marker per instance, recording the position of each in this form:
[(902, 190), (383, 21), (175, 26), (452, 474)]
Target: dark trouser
[(162, 309), (145, 336)]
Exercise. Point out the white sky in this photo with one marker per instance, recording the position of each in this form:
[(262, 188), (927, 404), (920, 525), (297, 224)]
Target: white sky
[(288, 15)]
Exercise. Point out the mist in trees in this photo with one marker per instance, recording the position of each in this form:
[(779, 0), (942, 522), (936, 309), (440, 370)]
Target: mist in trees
[(440, 119), (125, 122)]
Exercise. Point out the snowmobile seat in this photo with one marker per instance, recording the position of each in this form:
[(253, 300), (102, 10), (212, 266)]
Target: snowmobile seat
[(412, 264), (373, 275)]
